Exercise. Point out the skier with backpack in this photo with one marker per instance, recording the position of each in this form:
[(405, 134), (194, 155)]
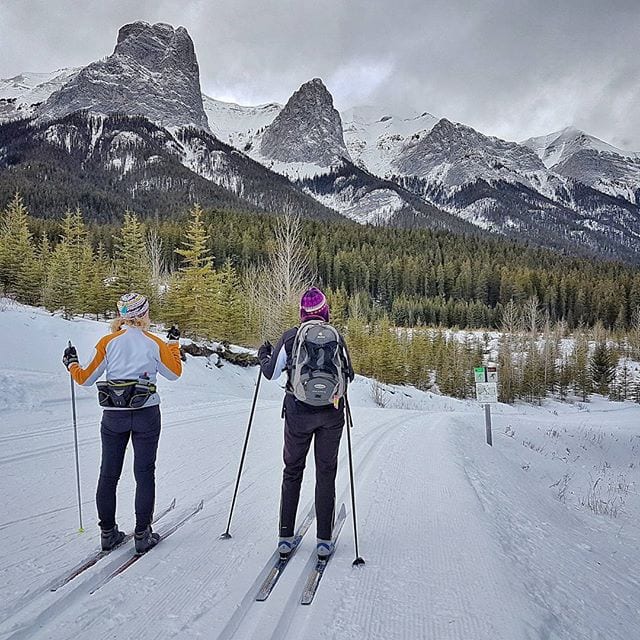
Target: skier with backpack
[(131, 358), (318, 367)]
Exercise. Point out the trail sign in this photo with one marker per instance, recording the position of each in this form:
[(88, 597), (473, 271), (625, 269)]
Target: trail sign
[(487, 392), (486, 374)]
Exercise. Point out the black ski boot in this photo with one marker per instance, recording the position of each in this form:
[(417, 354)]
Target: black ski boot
[(111, 538), (145, 540)]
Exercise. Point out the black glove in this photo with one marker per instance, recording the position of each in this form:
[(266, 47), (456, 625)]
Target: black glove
[(265, 350), (70, 356), (173, 333)]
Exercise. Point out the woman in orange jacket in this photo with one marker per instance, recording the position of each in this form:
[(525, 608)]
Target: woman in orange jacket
[(130, 357)]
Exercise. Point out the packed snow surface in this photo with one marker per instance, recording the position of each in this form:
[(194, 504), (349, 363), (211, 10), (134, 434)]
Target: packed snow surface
[(536, 537)]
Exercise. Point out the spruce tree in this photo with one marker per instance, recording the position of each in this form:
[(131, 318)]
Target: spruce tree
[(580, 366), (69, 272), (132, 266), (230, 307), (192, 295), (602, 367), (17, 254)]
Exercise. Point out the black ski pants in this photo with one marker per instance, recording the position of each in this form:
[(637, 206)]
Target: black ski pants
[(298, 434), (143, 426)]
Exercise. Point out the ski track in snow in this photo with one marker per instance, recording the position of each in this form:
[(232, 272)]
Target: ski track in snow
[(462, 541), (417, 563)]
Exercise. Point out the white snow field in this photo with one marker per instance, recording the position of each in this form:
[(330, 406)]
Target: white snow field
[(537, 537)]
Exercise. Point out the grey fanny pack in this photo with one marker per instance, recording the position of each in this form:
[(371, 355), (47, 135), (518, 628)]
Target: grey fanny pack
[(125, 394)]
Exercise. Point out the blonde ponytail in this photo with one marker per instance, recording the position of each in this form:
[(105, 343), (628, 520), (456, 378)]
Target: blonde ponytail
[(140, 323)]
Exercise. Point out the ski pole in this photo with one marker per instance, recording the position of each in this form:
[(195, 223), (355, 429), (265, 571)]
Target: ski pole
[(75, 441), (358, 561), (226, 535)]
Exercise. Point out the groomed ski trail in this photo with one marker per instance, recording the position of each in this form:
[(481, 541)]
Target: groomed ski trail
[(447, 550), (273, 617)]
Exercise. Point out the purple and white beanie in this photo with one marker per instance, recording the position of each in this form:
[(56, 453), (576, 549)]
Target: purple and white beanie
[(313, 304), (132, 305)]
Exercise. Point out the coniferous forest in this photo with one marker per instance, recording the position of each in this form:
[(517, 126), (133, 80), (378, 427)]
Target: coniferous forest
[(232, 276)]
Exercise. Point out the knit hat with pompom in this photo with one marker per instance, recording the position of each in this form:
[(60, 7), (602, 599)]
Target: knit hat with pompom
[(313, 304)]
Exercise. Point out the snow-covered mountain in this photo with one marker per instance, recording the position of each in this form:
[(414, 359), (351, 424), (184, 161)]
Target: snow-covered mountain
[(305, 143), (130, 132), (20, 95), (153, 72), (374, 137), (237, 125), (556, 147), (567, 190), (582, 157), (108, 164), (307, 132)]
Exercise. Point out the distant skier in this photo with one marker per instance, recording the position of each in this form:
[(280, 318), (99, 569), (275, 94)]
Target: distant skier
[(131, 357), (318, 367)]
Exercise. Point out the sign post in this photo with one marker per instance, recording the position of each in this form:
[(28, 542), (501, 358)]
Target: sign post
[(487, 393)]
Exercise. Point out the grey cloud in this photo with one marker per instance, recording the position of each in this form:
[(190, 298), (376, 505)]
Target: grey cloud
[(506, 67)]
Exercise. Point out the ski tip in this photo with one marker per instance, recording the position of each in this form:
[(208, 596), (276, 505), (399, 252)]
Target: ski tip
[(200, 505), (343, 511), (172, 504)]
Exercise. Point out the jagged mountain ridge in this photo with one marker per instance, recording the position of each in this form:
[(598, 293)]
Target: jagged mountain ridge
[(560, 145), (152, 72), (21, 95), (108, 164), (575, 154), (403, 168), (308, 130)]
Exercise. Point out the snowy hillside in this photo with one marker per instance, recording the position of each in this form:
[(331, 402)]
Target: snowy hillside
[(560, 145), (235, 124), (534, 538), (375, 138), (20, 95)]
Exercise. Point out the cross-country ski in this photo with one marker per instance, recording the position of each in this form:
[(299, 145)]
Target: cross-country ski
[(163, 535), (98, 555), (280, 563), (311, 585)]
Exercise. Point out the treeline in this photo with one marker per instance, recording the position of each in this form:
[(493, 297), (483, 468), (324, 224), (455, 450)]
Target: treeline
[(75, 277), (232, 278), (415, 277), (534, 361)]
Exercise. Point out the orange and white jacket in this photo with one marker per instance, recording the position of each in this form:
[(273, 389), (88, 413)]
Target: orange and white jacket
[(128, 355)]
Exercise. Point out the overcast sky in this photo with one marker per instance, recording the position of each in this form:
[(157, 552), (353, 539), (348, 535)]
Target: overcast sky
[(511, 68)]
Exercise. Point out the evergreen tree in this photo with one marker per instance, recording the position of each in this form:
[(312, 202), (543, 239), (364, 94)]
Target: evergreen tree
[(101, 295), (132, 266), (69, 273), (17, 255), (580, 366), (230, 309), (192, 296), (602, 367)]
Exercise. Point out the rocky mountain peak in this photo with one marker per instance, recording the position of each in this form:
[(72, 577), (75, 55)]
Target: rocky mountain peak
[(459, 154), (153, 71), (308, 129)]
